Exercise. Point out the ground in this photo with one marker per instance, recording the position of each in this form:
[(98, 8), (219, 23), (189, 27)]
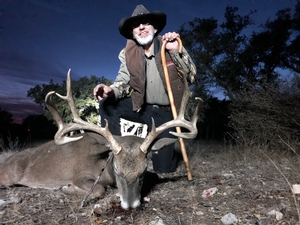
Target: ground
[(253, 186)]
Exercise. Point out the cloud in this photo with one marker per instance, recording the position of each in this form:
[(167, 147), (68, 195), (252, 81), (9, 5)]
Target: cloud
[(18, 74)]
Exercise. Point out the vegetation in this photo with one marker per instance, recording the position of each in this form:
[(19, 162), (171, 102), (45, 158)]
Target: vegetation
[(262, 103), (82, 93), (34, 127)]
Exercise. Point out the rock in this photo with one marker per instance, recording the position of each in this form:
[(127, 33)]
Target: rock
[(228, 176), (157, 221), (277, 214), (209, 192), (229, 219), (12, 200)]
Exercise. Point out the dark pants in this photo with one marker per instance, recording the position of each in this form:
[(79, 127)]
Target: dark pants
[(166, 159)]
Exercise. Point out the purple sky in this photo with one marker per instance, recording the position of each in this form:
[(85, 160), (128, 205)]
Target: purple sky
[(41, 39)]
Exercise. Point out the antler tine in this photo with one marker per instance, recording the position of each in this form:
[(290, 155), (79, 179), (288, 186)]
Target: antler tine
[(52, 109), (78, 124), (193, 123), (70, 99), (62, 127), (180, 121)]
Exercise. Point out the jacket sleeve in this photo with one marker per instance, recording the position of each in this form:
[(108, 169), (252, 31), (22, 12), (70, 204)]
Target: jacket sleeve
[(121, 87), (184, 62)]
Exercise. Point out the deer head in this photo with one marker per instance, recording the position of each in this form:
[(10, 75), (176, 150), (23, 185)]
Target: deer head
[(129, 161)]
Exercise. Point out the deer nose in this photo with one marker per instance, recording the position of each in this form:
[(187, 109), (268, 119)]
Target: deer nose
[(136, 204), (125, 205)]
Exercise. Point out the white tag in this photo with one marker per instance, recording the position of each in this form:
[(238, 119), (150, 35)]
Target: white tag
[(129, 128), (296, 188)]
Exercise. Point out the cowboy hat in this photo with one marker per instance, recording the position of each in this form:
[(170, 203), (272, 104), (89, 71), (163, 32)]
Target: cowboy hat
[(156, 18)]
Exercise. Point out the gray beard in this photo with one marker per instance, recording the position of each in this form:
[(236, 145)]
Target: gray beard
[(146, 40)]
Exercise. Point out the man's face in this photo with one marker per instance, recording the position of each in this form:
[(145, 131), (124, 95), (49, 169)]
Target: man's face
[(143, 32)]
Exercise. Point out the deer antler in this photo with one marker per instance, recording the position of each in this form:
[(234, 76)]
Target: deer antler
[(178, 122), (78, 124)]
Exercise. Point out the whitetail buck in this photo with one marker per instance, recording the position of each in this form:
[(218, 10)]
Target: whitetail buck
[(74, 163)]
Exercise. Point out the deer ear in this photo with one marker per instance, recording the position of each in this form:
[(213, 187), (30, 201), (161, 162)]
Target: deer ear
[(163, 142)]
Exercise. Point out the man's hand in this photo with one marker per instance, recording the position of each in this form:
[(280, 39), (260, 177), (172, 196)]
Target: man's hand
[(102, 91), (172, 43)]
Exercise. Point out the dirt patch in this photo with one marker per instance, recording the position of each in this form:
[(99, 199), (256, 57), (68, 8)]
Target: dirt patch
[(248, 185)]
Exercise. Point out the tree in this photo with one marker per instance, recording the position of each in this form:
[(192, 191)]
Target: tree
[(39, 127), (215, 50), (86, 105), (228, 59), (10, 133), (6, 119), (271, 48), (246, 67), (38, 93)]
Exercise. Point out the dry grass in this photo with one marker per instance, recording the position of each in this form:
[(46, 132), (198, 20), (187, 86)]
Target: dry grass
[(250, 182)]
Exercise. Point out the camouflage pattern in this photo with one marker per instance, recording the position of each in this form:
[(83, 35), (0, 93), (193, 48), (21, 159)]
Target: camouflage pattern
[(124, 89), (188, 64)]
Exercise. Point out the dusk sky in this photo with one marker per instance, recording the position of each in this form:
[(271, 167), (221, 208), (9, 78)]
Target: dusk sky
[(41, 39)]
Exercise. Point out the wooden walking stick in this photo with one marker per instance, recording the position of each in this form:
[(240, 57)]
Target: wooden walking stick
[(173, 108)]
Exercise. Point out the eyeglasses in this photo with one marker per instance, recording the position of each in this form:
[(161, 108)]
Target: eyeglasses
[(138, 23)]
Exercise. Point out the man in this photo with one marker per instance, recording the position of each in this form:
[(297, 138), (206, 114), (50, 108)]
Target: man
[(139, 91)]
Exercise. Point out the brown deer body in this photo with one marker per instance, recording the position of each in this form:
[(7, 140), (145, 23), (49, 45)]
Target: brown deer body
[(74, 163), (52, 166)]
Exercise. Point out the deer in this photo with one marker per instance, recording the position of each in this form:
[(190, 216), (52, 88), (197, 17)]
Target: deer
[(73, 163)]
